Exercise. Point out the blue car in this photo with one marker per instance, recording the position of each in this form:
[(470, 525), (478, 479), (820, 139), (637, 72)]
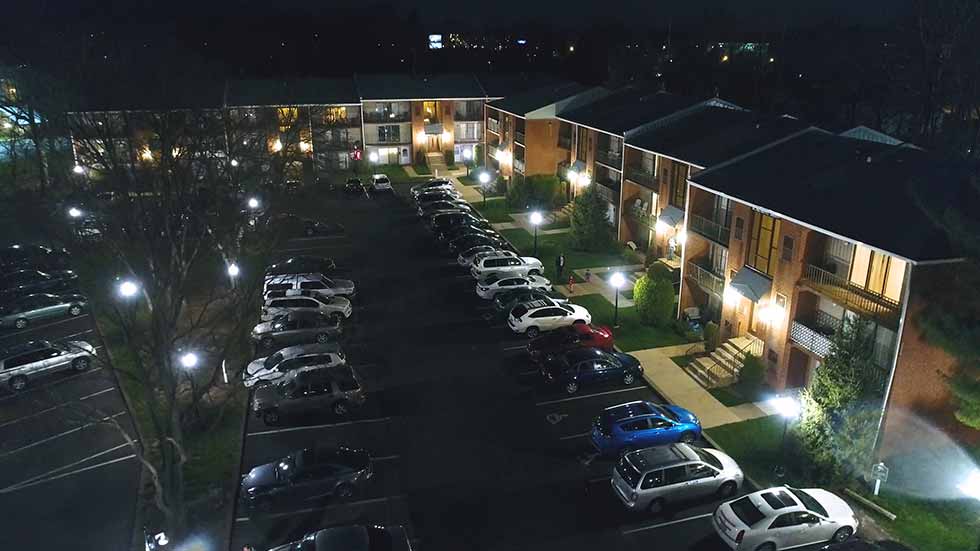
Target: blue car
[(590, 366), (635, 425)]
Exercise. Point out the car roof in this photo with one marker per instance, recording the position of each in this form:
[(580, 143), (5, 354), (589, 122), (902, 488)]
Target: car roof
[(774, 501), (662, 456), (308, 349), (629, 410), (25, 347), (349, 538), (537, 303), (582, 354)]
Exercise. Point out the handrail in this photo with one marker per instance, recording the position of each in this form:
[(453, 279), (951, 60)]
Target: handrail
[(709, 228), (710, 281), (739, 356), (848, 294)]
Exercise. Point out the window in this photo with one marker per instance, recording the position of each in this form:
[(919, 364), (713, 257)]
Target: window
[(582, 144), (781, 300), (765, 239), (430, 111), (312, 285), (335, 115), (389, 133), (787, 248), (746, 511), (635, 425), (675, 475), (784, 521), (652, 480), (660, 424), (674, 174), (739, 228), (697, 471)]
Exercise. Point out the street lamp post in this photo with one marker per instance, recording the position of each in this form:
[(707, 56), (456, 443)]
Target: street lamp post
[(617, 280), (536, 220), (789, 408)]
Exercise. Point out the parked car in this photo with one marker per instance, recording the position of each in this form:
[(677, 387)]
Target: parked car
[(24, 282), (650, 478), (297, 327), (268, 370), (561, 340), (490, 285), (784, 517), (475, 240), (308, 391), (380, 184), (626, 427), (352, 538), (589, 366), (20, 364), (858, 544), (504, 302), (354, 187), (439, 194), (16, 257), (302, 265), (531, 318), (506, 264), (443, 206), (336, 307), (317, 282), (453, 232), (469, 233), (306, 475), (21, 312), (433, 184), (467, 257), (444, 220)]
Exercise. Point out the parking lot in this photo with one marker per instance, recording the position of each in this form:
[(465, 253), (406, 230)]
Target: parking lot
[(64, 478), (470, 450)]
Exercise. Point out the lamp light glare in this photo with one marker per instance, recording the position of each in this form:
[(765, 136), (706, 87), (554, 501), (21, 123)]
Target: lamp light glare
[(583, 179), (253, 203), (661, 227), (277, 146), (233, 270), (188, 360), (681, 237), (78, 169), (484, 178), (536, 218), (730, 295), (373, 156), (74, 212), (617, 280), (305, 146), (787, 406), (128, 289), (467, 154), (234, 162), (572, 176), (971, 486)]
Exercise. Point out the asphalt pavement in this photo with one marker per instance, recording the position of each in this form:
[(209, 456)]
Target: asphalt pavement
[(471, 450), (67, 481)]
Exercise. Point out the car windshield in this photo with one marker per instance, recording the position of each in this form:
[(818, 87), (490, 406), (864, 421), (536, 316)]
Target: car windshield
[(746, 511), (666, 412), (492, 278), (707, 457), (272, 360), (629, 473), (807, 500), (519, 311)]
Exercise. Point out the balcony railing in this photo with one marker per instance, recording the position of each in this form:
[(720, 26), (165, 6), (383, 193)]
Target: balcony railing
[(851, 296), (709, 228), (565, 142), (608, 190), (810, 339), (381, 118), (519, 166), (473, 115), (612, 159), (644, 178), (641, 217), (706, 279), (493, 125), (519, 137)]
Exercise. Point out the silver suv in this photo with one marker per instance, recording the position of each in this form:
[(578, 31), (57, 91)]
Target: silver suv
[(265, 371), (21, 363), (316, 283), (337, 308), (649, 478)]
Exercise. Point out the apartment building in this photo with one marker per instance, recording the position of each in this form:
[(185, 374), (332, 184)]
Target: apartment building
[(658, 162), (600, 131), (824, 228), (524, 135)]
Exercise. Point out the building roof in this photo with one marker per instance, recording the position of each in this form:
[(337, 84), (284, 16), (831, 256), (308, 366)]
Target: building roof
[(628, 109), (712, 135), (859, 190), (396, 86), (531, 100), (307, 91)]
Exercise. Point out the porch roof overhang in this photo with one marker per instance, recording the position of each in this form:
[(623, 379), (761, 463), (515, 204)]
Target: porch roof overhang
[(433, 129), (671, 215), (751, 284)]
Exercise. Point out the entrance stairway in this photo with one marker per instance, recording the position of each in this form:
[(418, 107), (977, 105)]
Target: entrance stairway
[(437, 164), (721, 367)]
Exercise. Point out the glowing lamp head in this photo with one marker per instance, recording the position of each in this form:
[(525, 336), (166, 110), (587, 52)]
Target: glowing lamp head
[(771, 313), (617, 280), (233, 270), (572, 176), (536, 218), (305, 146), (467, 154), (234, 162), (277, 146), (583, 179), (74, 212), (484, 178), (253, 203), (373, 156), (128, 289), (787, 406), (78, 169), (681, 237), (971, 485), (188, 360), (730, 296), (661, 227)]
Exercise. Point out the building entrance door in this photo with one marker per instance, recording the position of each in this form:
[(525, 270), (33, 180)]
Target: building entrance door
[(433, 144), (796, 368)]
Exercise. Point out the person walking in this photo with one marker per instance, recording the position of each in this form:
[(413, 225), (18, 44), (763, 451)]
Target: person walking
[(559, 266)]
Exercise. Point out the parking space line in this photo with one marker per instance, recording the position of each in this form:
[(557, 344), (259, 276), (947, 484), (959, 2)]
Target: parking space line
[(45, 326), (662, 524), (50, 409), (314, 427), (66, 337), (385, 457), (518, 347), (63, 467), (65, 475), (584, 396), (526, 373), (314, 509), (574, 436), (57, 436)]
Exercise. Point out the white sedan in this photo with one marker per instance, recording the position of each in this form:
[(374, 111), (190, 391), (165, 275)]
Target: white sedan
[(467, 257), (380, 182), (534, 317), (784, 518), (491, 285), (506, 264)]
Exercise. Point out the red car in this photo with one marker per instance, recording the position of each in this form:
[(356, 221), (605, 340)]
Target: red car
[(566, 338)]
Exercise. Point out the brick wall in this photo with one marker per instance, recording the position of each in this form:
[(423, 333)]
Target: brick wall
[(543, 154)]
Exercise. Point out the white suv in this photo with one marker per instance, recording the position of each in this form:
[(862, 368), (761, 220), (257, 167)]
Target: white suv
[(380, 182), (531, 318), (506, 264), (333, 307), (317, 283), (493, 284), (264, 371)]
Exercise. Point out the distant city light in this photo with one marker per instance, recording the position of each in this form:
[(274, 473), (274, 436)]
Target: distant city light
[(74, 212), (521, 41), (772, 59)]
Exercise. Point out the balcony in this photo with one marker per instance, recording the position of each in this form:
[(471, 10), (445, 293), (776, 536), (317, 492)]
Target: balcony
[(608, 190), (472, 115), (612, 159), (709, 228), (565, 142), (493, 125), (810, 338), (519, 137), (376, 117), (711, 282), (643, 218), (519, 166), (850, 296), (644, 178)]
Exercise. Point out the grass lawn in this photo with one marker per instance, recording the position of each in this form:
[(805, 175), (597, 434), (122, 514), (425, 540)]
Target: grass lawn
[(494, 210), (740, 393), (922, 525), (631, 335), (396, 173), (422, 169), (562, 222), (549, 247), (682, 361), (469, 180)]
